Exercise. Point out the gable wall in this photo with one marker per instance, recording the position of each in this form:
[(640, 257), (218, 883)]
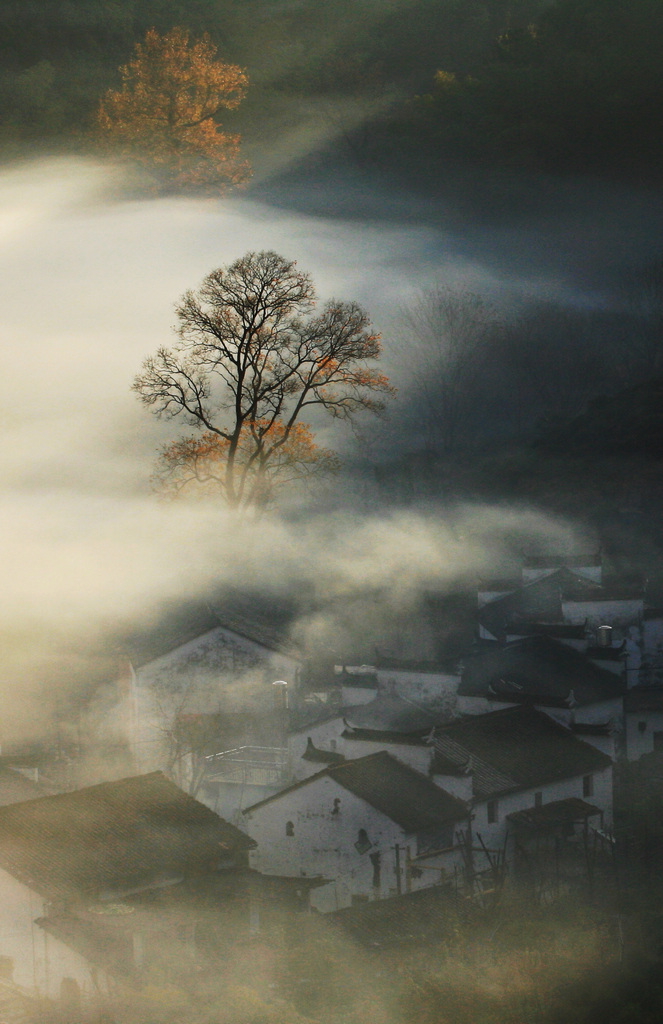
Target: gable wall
[(210, 673), (323, 843), (423, 686), (418, 756)]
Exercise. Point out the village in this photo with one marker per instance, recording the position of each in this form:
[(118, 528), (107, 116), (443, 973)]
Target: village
[(225, 779)]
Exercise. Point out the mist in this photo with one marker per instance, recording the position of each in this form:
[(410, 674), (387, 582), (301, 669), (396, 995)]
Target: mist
[(90, 278)]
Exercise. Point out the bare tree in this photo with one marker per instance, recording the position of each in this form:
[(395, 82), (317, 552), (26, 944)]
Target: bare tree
[(253, 356)]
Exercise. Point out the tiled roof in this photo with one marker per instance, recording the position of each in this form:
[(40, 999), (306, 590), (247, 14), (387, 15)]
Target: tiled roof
[(541, 601), (399, 792), (517, 748), (550, 816), (538, 670), (393, 714), (173, 625), (116, 835), (169, 628), (267, 621)]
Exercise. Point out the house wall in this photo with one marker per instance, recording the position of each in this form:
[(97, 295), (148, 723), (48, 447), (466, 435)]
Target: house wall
[(457, 785), (480, 705), (423, 686), (215, 671), (591, 714), (230, 799), (323, 843), (352, 696), (324, 735), (40, 960), (494, 834), (641, 741), (417, 755), (619, 614)]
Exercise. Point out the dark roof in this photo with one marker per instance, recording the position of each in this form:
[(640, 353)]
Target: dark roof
[(643, 698), (394, 714), (169, 627), (313, 754), (517, 748), (113, 836), (550, 816), (265, 620), (541, 601), (538, 670), (178, 623), (399, 792)]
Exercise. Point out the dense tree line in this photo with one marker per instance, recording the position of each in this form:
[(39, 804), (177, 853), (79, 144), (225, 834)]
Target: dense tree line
[(578, 88), (572, 85)]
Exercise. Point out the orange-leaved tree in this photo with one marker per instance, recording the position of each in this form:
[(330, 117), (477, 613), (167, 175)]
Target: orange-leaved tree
[(253, 355), (165, 115)]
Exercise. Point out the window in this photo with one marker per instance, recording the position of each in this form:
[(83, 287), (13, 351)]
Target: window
[(642, 727), (332, 744), (538, 799), (336, 809), (363, 842), (289, 828), (587, 785), (492, 812)]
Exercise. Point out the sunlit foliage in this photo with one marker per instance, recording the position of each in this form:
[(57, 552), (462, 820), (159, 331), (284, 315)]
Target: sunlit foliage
[(164, 116)]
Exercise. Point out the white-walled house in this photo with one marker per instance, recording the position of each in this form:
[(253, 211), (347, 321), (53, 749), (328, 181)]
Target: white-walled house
[(545, 673), (322, 732), (361, 825), (187, 663), (519, 760), (67, 861), (423, 682)]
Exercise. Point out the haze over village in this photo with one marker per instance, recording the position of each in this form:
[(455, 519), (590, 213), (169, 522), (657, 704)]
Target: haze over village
[(332, 607)]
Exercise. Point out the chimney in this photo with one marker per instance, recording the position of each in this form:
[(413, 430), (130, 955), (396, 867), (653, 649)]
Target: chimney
[(604, 636)]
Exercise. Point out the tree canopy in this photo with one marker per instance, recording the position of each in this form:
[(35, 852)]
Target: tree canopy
[(164, 116), (253, 356)]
